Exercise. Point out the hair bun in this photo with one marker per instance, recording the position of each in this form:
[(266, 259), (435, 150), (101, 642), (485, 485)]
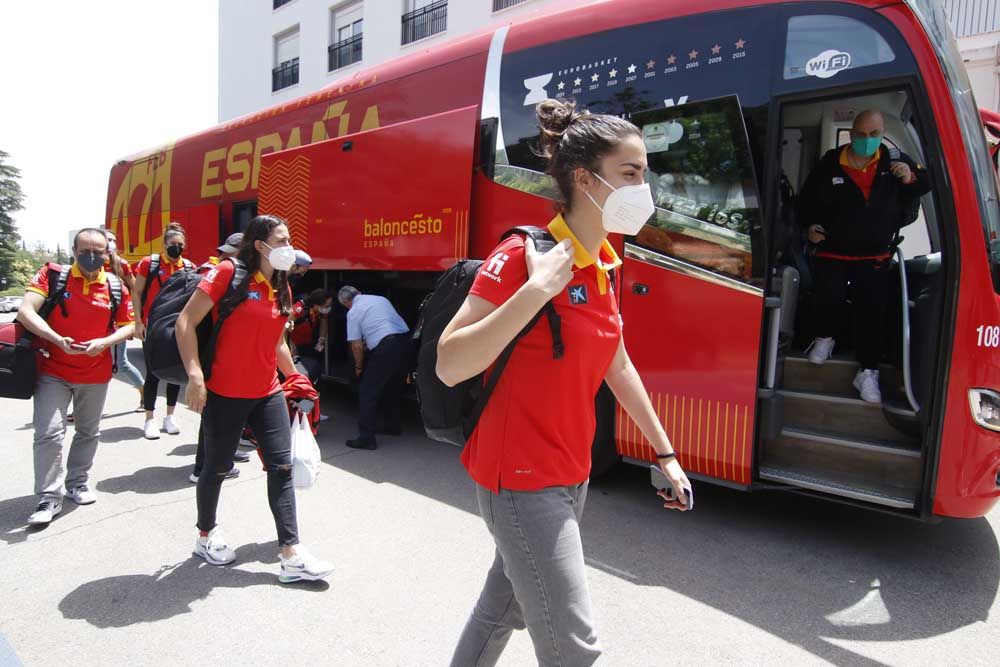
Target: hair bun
[(554, 117)]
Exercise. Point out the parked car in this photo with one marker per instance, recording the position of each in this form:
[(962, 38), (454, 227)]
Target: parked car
[(10, 304)]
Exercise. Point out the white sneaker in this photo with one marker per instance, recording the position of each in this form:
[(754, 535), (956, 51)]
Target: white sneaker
[(214, 548), (149, 431), (81, 495), (47, 510), (303, 566), (820, 350), (169, 426), (866, 382)]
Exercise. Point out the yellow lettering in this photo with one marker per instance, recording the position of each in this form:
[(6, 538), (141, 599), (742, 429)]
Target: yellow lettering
[(335, 110), (370, 121), (269, 143), (210, 172), (294, 139), (238, 167)]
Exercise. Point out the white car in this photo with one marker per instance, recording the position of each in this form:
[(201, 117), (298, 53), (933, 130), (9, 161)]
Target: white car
[(10, 304)]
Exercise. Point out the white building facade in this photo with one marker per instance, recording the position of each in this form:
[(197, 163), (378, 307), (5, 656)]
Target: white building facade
[(976, 24), (272, 51)]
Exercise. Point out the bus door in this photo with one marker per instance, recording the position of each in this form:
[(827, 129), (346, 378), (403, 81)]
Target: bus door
[(692, 308)]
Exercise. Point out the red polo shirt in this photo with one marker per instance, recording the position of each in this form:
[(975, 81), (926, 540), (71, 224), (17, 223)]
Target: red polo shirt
[(167, 269), (126, 268), (246, 357), (538, 426), (88, 313), (302, 333), (864, 177)]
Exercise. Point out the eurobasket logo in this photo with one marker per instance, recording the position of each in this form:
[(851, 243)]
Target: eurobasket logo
[(536, 89), (828, 63), (495, 266)]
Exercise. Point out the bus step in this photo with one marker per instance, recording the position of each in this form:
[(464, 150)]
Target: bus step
[(834, 377), (845, 486), (841, 415), (892, 462)]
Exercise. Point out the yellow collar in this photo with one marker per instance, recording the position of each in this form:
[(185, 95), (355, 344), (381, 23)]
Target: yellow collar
[(845, 162), (607, 259), (100, 279), (259, 278), (165, 259)]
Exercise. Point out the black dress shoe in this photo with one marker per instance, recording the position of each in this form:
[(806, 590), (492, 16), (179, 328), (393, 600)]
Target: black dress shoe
[(358, 443)]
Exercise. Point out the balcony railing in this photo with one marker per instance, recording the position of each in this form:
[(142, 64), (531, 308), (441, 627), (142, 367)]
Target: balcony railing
[(425, 21), (284, 75), (504, 4), (345, 52), (278, 3)]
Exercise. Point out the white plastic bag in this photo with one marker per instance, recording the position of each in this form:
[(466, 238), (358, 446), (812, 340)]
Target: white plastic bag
[(305, 453)]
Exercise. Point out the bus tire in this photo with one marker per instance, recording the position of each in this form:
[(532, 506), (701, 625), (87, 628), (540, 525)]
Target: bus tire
[(603, 453)]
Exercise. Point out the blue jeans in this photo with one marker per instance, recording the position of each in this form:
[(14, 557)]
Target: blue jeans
[(126, 371), (538, 580)]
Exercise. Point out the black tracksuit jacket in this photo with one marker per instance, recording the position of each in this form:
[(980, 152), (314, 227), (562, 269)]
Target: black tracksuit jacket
[(853, 226)]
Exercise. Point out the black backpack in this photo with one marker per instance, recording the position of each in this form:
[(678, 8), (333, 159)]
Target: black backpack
[(163, 358), (450, 414), (18, 360), (154, 270)]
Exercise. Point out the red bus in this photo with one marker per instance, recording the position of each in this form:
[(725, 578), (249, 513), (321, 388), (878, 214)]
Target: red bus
[(391, 175)]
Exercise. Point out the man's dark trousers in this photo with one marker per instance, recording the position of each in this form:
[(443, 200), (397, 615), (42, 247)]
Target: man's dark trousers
[(869, 295), (382, 384)]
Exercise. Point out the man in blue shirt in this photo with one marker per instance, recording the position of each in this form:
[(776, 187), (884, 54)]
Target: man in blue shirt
[(373, 324)]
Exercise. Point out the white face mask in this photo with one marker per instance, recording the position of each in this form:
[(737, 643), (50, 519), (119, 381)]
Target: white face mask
[(281, 258), (626, 209), (324, 311)]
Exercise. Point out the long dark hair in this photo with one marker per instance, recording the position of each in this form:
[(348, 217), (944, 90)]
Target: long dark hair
[(260, 229), (116, 266), (570, 139)]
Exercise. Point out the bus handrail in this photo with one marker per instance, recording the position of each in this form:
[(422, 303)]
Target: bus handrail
[(904, 291)]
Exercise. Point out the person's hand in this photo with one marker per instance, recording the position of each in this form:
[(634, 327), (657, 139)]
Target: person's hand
[(902, 171), (95, 347), (357, 371), (320, 344), (196, 393), (675, 474), (816, 234), (64, 342), (549, 272), (140, 330)]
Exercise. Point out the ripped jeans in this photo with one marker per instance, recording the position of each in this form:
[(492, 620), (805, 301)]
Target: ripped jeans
[(222, 421)]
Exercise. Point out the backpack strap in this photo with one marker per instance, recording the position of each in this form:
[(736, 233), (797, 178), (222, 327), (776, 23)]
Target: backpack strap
[(115, 291), (544, 241), (154, 269), (188, 264), (235, 294)]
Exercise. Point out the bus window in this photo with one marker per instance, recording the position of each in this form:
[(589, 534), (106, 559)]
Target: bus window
[(822, 45), (703, 184)]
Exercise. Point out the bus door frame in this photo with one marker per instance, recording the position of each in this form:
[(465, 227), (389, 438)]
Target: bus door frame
[(933, 419)]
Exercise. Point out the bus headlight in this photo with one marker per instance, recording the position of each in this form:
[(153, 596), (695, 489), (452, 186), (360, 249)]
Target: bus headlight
[(985, 406)]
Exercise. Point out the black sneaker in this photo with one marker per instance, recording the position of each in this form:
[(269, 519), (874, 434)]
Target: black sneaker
[(359, 443)]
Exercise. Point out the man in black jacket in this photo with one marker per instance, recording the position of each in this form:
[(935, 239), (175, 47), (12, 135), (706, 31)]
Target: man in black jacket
[(853, 204)]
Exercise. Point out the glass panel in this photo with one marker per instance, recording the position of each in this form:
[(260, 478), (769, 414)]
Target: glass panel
[(286, 47), (703, 184), (822, 45)]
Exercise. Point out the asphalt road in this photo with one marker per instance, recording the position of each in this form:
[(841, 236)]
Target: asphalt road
[(747, 579)]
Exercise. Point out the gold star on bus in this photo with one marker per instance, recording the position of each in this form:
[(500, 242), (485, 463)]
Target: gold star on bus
[(693, 55), (740, 43), (651, 64), (671, 60), (716, 50)]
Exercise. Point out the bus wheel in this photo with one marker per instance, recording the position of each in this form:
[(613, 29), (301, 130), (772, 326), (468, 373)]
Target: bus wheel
[(603, 454)]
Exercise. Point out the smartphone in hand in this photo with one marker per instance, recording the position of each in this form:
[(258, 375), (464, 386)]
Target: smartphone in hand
[(661, 483), (77, 346)]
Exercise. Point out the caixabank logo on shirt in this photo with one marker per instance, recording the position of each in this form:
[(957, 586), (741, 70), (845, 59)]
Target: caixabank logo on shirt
[(495, 265), (577, 294)]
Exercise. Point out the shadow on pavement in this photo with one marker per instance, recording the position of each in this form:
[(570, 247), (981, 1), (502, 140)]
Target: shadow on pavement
[(184, 450), (155, 479), (120, 434), (14, 512), (116, 602), (799, 568)]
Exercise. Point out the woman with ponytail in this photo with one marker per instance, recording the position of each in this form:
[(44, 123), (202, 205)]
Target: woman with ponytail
[(120, 267), (151, 273), (530, 452), (241, 387)]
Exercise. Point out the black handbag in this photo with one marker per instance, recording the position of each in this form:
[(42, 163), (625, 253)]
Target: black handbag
[(18, 362)]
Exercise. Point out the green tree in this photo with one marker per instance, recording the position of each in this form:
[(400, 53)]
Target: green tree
[(11, 201)]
